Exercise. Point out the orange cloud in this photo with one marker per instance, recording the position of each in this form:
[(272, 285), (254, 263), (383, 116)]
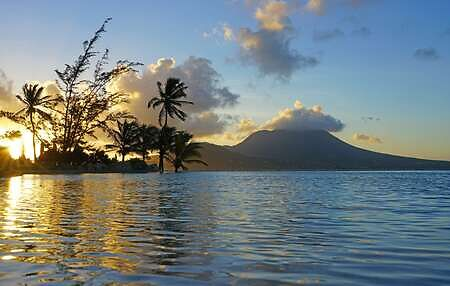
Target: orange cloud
[(366, 138)]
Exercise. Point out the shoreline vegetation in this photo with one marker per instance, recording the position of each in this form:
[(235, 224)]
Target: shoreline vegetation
[(68, 122)]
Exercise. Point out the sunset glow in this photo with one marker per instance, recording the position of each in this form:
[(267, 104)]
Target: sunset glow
[(15, 146)]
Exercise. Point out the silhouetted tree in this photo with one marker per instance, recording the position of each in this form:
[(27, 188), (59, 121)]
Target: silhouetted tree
[(170, 102), (124, 138), (164, 144), (184, 151), (11, 135), (147, 139), (35, 110), (85, 105)]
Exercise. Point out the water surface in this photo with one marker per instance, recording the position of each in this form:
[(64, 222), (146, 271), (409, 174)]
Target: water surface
[(241, 228)]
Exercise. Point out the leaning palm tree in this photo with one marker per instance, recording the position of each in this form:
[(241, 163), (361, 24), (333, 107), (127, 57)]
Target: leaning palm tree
[(170, 101), (146, 140), (124, 138), (185, 152), (35, 103)]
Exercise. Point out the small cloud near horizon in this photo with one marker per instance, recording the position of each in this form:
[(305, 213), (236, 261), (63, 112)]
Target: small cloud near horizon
[(325, 35), (426, 54), (366, 138), (362, 32)]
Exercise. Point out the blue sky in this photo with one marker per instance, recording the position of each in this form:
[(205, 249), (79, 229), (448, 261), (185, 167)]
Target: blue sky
[(395, 69)]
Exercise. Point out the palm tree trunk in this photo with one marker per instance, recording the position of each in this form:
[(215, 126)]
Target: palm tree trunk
[(162, 152), (123, 157), (33, 130), (161, 161)]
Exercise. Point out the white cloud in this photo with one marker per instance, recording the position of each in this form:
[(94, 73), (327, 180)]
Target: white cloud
[(301, 118)]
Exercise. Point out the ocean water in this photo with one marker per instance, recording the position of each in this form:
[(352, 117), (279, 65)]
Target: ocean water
[(221, 228)]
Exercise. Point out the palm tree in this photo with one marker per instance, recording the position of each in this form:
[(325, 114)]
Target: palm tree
[(146, 140), (35, 103), (164, 144), (124, 138), (170, 101), (184, 151)]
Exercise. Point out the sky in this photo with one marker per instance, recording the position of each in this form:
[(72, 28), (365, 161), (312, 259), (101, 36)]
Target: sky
[(375, 73)]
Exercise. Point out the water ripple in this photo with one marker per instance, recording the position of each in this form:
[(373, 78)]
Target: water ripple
[(284, 228)]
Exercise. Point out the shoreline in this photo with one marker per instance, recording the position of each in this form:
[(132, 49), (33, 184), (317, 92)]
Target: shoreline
[(81, 172)]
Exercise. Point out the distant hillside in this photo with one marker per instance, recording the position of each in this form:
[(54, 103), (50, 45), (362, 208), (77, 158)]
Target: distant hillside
[(305, 150), (221, 158)]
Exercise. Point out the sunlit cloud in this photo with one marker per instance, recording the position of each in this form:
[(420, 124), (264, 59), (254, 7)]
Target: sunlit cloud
[(366, 138), (316, 6), (268, 48), (272, 15), (205, 89), (7, 98), (223, 31), (228, 33), (302, 118)]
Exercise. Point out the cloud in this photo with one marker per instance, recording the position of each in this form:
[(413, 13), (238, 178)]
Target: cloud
[(205, 89), (227, 32), (269, 47), (271, 53), (370, 118), (426, 54), (205, 124), (7, 98), (246, 126), (241, 129), (320, 7), (316, 6), (223, 31), (366, 138), (301, 118), (327, 35), (272, 16), (362, 32)]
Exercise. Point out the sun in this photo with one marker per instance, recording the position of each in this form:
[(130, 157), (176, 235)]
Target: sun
[(15, 148), (22, 145)]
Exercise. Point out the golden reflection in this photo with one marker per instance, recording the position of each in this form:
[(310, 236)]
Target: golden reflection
[(89, 220), (8, 257), (14, 195)]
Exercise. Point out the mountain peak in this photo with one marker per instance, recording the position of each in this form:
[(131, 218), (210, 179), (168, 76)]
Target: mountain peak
[(307, 150)]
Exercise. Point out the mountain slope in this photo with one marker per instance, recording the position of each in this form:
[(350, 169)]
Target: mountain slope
[(305, 150)]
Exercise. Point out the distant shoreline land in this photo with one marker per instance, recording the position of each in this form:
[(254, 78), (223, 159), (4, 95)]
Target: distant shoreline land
[(280, 150)]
